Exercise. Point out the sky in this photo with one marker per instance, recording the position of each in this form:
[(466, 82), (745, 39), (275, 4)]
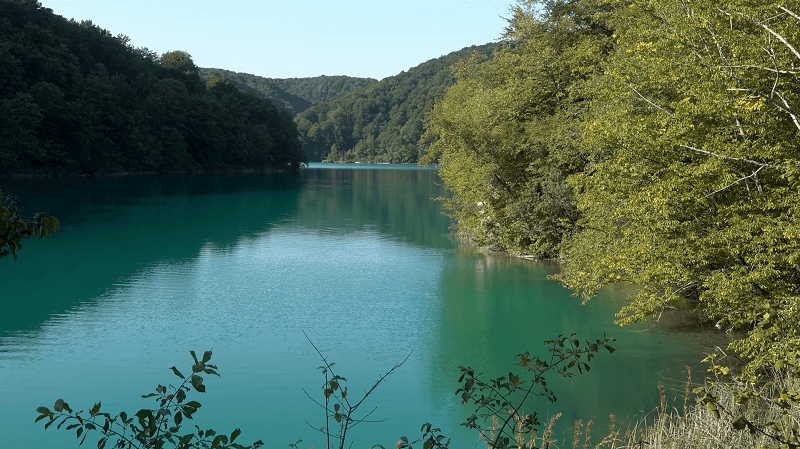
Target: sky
[(298, 38)]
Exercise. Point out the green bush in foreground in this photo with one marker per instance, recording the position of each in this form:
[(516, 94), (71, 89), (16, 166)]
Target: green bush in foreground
[(149, 428), (499, 401)]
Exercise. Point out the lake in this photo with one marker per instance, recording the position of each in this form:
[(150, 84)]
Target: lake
[(359, 257)]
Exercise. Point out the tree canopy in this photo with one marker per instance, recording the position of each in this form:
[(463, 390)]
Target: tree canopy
[(642, 141), (383, 121), (294, 94), (76, 99), (506, 134)]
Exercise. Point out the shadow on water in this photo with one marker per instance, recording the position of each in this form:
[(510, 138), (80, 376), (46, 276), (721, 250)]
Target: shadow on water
[(113, 227)]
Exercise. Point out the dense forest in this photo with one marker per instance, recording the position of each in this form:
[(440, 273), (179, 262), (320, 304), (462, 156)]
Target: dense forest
[(647, 142), (294, 94), (76, 99), (382, 122)]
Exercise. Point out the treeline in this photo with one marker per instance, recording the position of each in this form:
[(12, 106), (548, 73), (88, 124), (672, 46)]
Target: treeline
[(649, 142), (382, 122), (76, 99), (294, 94)]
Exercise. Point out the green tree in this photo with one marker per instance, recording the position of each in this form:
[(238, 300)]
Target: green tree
[(506, 134), (178, 60), (692, 193)]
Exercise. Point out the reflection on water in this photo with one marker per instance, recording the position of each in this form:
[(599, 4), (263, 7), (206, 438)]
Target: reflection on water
[(146, 269)]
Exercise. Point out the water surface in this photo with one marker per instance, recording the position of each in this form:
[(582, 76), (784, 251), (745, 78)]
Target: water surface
[(359, 258)]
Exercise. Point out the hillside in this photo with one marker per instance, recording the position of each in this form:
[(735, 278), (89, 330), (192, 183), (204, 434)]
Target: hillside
[(76, 99), (382, 122), (294, 94)]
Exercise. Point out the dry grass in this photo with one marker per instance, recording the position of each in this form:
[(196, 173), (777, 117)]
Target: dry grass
[(690, 426)]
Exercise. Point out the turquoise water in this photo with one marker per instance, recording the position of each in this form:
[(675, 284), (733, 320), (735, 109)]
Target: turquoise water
[(358, 257)]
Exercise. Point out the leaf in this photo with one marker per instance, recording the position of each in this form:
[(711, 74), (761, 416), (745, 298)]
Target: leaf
[(177, 373), (206, 356), (59, 405), (236, 432), (197, 383)]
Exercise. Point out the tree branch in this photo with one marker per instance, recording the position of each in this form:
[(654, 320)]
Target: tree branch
[(731, 158)]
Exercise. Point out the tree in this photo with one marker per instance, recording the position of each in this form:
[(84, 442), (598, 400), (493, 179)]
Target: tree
[(178, 60), (693, 194), (506, 133)]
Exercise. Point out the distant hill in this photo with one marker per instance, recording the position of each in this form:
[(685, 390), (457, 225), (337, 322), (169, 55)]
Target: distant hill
[(381, 122), (294, 94)]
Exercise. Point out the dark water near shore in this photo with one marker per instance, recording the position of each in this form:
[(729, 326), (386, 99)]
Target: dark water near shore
[(145, 269)]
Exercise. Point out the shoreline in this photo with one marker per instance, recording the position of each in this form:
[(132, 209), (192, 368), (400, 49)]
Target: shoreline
[(122, 174)]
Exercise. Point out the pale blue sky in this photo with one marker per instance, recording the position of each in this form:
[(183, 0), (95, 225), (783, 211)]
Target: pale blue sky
[(298, 38)]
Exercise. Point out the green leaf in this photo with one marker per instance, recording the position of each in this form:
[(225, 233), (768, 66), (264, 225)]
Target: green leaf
[(206, 356), (177, 373), (236, 432), (197, 383), (59, 405)]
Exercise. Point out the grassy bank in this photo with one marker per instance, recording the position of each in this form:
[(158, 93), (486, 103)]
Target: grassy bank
[(682, 423)]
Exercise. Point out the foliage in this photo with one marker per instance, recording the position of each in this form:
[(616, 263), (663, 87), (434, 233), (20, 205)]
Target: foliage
[(501, 400), (14, 228), (149, 428), (76, 99), (693, 192), (339, 406), (293, 94), (760, 421), (381, 122), (506, 134)]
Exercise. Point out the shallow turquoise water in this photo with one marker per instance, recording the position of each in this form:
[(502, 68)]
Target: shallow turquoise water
[(145, 269)]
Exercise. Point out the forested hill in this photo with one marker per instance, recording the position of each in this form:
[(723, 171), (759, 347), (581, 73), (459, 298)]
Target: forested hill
[(76, 99), (294, 94), (381, 122)]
